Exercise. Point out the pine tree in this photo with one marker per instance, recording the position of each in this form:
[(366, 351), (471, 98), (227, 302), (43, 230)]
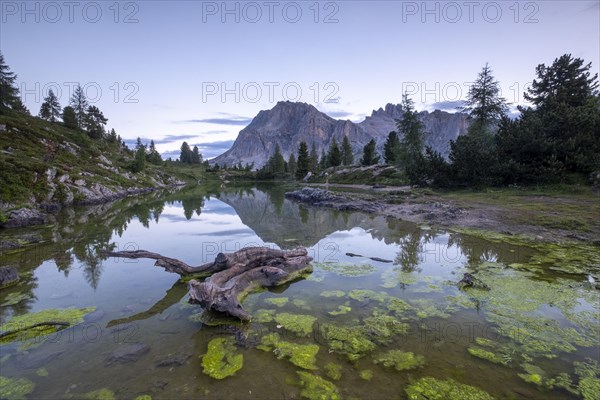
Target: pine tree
[(94, 122), (79, 104), (313, 159), (50, 109), (196, 157), (153, 155), (323, 161), (112, 136), (277, 162), (334, 157), (303, 161), (370, 156), (410, 152), (139, 163), (347, 156), (484, 103), (292, 165), (69, 117), (391, 148), (186, 153), (9, 93)]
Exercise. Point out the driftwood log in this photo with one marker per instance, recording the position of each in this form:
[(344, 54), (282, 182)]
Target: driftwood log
[(233, 275)]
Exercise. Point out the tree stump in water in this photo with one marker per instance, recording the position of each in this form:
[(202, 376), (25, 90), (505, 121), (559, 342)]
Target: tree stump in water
[(233, 275)]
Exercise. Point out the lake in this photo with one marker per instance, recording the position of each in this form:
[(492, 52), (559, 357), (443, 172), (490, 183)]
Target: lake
[(354, 328)]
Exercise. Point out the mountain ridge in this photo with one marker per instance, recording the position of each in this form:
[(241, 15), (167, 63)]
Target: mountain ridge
[(289, 123)]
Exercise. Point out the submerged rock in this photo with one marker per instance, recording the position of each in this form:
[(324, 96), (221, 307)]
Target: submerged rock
[(173, 360), (128, 353), (36, 360)]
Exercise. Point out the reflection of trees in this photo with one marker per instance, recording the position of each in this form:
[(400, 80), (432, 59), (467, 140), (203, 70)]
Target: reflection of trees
[(475, 250), (410, 254), (191, 205)]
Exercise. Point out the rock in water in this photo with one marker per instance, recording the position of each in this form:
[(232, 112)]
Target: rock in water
[(128, 353)]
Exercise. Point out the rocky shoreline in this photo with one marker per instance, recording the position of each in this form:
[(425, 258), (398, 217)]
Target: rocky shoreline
[(38, 214), (435, 211)]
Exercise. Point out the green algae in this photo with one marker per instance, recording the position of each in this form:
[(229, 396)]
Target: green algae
[(221, 360), (263, 316), (394, 277), (427, 308), (435, 389), (382, 327), (431, 288), (400, 360), (301, 304), (348, 270), (486, 355), (277, 301), (341, 309), (334, 371), (589, 378), (301, 325), (144, 397), (100, 394), (364, 295), (41, 372), (314, 387), (22, 327), (366, 374), (398, 306), (15, 389), (350, 341), (15, 298), (461, 301), (301, 355), (333, 293)]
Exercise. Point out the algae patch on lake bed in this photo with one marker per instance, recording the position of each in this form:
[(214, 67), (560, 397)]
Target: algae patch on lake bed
[(15, 389), (221, 359), (301, 355), (29, 326)]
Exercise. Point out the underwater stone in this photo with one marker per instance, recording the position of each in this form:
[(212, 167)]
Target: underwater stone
[(128, 353)]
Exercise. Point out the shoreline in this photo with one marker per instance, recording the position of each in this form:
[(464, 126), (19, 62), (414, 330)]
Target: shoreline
[(449, 211)]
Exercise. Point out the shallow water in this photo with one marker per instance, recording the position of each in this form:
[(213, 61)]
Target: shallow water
[(139, 303)]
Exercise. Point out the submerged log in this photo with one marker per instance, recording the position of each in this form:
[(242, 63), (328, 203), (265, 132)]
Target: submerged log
[(233, 275)]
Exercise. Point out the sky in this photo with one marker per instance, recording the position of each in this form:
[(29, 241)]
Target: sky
[(199, 71)]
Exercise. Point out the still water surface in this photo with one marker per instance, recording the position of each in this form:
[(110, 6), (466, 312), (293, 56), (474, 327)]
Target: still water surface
[(139, 303)]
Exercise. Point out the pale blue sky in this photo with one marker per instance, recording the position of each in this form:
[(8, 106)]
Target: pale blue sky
[(162, 66)]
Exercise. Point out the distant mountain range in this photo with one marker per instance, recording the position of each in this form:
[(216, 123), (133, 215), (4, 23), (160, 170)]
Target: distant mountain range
[(289, 123)]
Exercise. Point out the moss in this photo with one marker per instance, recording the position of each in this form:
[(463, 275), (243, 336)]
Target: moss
[(301, 325), (221, 360), (367, 295), (341, 309), (101, 394), (20, 324), (301, 355), (333, 293), (400, 360), (350, 341), (435, 389), (263, 316), (277, 301), (366, 374), (334, 371), (15, 389), (486, 355), (349, 270), (316, 388)]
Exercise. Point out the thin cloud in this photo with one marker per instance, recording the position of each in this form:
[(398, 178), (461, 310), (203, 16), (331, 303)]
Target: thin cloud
[(338, 114), (448, 105), (225, 119), (166, 140)]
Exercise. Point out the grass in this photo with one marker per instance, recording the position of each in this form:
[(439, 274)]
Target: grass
[(30, 146)]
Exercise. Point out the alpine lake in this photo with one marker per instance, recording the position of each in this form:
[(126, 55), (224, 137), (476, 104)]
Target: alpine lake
[(381, 316)]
